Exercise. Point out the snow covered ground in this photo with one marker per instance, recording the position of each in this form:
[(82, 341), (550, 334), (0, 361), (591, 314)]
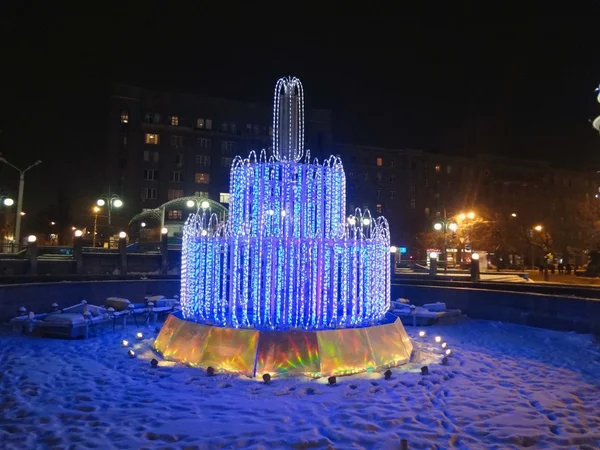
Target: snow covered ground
[(506, 386)]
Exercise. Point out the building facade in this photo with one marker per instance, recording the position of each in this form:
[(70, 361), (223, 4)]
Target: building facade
[(165, 145), (413, 189)]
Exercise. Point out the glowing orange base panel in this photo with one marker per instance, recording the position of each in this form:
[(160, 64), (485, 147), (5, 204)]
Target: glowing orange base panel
[(256, 352)]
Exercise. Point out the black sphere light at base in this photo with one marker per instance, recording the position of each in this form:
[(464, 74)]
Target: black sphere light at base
[(131, 353), (332, 381), (210, 371), (387, 374), (424, 370), (154, 363), (266, 377)]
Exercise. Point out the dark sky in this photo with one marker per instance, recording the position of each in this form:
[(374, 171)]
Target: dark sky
[(514, 81)]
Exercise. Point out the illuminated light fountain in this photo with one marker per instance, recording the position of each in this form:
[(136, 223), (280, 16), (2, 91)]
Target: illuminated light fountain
[(289, 284)]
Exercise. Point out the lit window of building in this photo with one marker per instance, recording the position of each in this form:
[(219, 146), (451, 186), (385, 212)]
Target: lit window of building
[(202, 178), (175, 121), (200, 124), (174, 214), (124, 117), (201, 194), (172, 194), (152, 138), (380, 162), (203, 160), (208, 124), (379, 208), (176, 177), (438, 168), (224, 197)]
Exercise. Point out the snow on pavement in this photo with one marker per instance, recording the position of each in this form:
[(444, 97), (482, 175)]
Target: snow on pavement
[(506, 386)]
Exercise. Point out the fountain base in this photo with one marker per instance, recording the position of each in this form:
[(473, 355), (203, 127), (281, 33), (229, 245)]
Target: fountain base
[(293, 352)]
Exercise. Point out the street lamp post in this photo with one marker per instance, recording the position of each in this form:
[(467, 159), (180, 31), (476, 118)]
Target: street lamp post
[(109, 200), (443, 225), (96, 210), (20, 196)]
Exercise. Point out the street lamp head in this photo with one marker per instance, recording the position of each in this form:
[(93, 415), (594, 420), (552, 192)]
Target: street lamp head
[(513, 215), (52, 223), (393, 249), (433, 255), (538, 228), (470, 215), (31, 238), (117, 203), (122, 235), (164, 230), (205, 204), (22, 213), (190, 203), (453, 227), (366, 221), (462, 216), (9, 201), (475, 256), (143, 224), (100, 202), (39, 161), (78, 233), (96, 209), (437, 226)]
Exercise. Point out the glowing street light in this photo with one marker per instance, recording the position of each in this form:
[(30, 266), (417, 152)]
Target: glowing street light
[(393, 249), (462, 216), (8, 201), (513, 215), (453, 227), (205, 204), (538, 228), (470, 215), (438, 226), (109, 200), (190, 203)]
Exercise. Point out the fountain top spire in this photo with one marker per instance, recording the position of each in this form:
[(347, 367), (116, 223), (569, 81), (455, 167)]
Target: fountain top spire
[(288, 120)]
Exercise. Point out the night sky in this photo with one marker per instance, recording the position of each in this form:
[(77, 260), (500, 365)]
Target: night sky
[(517, 81)]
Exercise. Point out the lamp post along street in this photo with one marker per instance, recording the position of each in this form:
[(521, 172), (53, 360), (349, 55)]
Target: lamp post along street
[(20, 196)]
